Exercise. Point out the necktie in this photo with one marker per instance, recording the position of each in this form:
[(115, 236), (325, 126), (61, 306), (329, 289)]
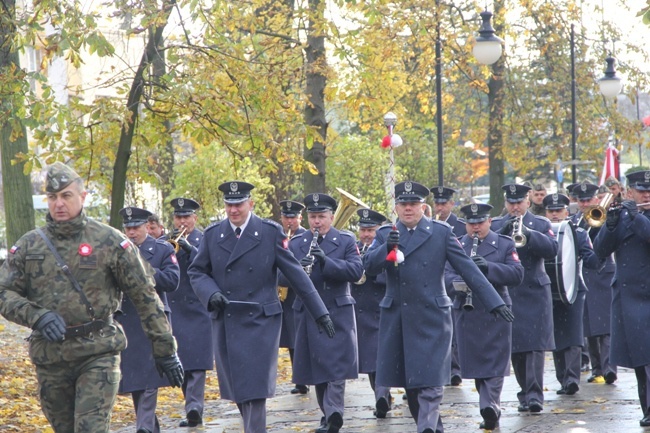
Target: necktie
[(411, 231), (238, 232), (320, 239)]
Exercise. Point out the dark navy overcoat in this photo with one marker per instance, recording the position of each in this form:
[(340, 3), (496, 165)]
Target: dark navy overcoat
[(458, 225), (630, 241), (288, 333), (367, 297), (415, 325), (598, 304), (191, 324), (568, 318), (483, 339), (137, 363), (531, 300), (318, 359), (247, 332)]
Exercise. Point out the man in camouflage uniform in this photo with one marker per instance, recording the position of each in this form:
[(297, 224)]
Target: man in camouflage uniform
[(76, 345)]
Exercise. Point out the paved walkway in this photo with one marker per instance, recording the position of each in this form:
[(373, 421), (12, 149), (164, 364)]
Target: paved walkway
[(595, 408)]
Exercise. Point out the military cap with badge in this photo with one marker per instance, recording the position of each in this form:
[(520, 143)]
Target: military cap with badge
[(410, 191), (134, 216), (184, 206), (585, 191), (236, 191), (476, 212), (556, 201), (318, 202), (442, 194), (639, 180), (59, 177), (515, 192), (370, 218), (290, 208)]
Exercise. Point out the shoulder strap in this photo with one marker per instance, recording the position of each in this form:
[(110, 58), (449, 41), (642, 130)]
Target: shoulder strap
[(66, 270)]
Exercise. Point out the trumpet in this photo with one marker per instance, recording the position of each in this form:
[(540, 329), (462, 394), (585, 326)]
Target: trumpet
[(517, 233), (312, 246), (595, 216), (174, 241), (469, 302), (363, 251)]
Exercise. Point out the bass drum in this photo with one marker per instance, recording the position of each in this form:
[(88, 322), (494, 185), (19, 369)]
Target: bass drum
[(563, 271)]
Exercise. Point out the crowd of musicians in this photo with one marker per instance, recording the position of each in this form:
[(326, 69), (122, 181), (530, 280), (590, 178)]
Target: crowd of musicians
[(420, 302)]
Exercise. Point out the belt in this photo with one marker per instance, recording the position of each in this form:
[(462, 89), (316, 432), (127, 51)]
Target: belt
[(86, 328)]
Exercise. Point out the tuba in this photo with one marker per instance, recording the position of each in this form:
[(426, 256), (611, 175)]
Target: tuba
[(174, 242), (348, 205)]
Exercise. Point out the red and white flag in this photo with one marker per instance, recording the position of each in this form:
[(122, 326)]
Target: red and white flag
[(612, 165)]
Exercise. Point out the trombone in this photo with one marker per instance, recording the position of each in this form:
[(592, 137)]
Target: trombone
[(517, 232), (174, 241), (595, 216)]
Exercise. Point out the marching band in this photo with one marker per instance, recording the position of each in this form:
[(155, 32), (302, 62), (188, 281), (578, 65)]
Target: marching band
[(418, 303)]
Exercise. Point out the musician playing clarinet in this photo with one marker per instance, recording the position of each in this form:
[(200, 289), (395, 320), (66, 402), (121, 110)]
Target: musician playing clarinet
[(627, 234), (568, 318), (532, 298), (483, 340)]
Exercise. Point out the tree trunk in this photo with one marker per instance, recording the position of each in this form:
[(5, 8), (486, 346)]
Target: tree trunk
[(126, 136), (316, 81), (16, 186), (496, 96)]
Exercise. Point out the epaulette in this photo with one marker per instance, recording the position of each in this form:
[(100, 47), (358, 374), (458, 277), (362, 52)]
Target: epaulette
[(348, 233), (543, 218), (441, 222), (211, 226), (504, 236), (499, 218), (385, 227), (271, 223)]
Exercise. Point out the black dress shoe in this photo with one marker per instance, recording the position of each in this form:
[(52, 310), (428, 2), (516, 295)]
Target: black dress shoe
[(404, 397), (490, 418), (610, 377), (382, 407), (334, 423), (523, 407), (572, 388), (456, 380), (561, 391), (645, 422), (300, 389), (535, 406), (428, 430), (143, 430), (193, 419)]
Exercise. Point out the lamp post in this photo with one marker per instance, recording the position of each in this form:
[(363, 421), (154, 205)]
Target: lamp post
[(610, 84), (573, 107), (487, 50)]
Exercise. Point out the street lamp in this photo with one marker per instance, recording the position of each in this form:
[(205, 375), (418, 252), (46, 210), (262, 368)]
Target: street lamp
[(487, 50), (610, 84)]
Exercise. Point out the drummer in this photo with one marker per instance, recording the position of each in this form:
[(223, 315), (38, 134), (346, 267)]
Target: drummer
[(532, 298), (567, 317)]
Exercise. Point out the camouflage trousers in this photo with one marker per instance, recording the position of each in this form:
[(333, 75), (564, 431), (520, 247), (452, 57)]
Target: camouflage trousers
[(79, 396)]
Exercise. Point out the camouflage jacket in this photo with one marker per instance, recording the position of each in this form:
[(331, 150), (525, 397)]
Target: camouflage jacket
[(105, 263)]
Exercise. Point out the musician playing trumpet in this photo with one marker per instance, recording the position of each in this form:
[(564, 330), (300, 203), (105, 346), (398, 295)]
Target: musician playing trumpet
[(367, 296), (626, 233), (568, 318), (530, 299), (290, 218), (483, 340)]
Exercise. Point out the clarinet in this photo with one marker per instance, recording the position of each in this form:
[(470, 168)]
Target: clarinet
[(469, 303), (314, 244)]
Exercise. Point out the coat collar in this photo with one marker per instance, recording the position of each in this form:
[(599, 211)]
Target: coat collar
[(410, 242), (249, 239)]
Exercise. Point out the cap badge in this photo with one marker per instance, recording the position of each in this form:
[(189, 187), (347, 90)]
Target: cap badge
[(366, 214), (474, 208), (64, 178), (128, 211), (233, 186), (289, 204), (181, 202), (408, 186), (315, 197), (441, 189), (513, 189), (55, 183), (583, 187), (555, 198)]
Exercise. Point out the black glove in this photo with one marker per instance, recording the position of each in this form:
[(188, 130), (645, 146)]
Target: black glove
[(185, 245), (392, 241), (632, 208), (481, 263), (171, 367), (613, 215), (319, 254), (506, 229), (504, 312), (51, 326), (217, 302), (324, 322), (306, 261)]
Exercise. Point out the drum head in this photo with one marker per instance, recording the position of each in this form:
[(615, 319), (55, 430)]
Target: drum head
[(566, 263)]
